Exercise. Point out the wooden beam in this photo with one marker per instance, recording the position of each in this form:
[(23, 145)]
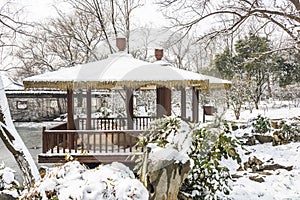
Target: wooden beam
[(88, 109), (108, 158), (195, 105)]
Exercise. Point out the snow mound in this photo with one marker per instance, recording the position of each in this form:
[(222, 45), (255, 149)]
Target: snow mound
[(74, 181), (8, 183)]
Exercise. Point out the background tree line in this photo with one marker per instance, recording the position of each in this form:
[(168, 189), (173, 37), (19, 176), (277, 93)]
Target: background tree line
[(255, 68), (268, 54)]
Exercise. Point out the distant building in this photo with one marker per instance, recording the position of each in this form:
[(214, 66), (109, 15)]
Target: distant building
[(33, 105)]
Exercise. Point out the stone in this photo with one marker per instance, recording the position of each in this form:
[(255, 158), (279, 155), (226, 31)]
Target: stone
[(4, 196), (164, 178), (297, 138), (254, 164), (274, 124), (264, 138), (277, 166), (250, 141), (279, 139), (236, 176), (182, 196), (257, 179), (265, 173)]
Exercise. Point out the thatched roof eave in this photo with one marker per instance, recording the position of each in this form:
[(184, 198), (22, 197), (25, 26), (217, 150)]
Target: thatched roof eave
[(98, 85)]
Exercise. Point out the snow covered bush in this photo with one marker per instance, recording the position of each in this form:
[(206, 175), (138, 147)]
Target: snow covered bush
[(168, 132), (286, 131), (161, 132), (8, 184), (104, 112), (74, 181), (208, 176), (205, 147), (261, 124)]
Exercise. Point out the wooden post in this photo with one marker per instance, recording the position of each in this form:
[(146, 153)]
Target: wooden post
[(45, 141), (70, 110), (203, 117), (163, 101), (183, 103), (195, 104), (88, 109), (129, 108), (70, 122)]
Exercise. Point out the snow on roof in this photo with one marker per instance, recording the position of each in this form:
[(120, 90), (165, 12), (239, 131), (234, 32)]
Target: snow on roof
[(214, 82), (119, 69)]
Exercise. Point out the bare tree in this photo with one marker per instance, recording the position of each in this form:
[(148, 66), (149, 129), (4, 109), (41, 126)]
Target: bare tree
[(62, 42), (113, 17), (230, 16), (11, 28), (80, 36), (142, 40), (178, 49), (126, 7)]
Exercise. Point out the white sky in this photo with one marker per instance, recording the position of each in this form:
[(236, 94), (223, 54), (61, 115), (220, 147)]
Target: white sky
[(41, 9)]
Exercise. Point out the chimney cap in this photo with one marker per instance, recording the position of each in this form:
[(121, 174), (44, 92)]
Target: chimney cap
[(121, 43), (158, 53)]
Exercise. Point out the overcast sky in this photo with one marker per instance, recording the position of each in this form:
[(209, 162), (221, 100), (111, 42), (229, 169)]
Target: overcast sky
[(41, 9)]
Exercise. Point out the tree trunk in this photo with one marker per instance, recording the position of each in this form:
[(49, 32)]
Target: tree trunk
[(237, 114), (256, 105), (14, 143)]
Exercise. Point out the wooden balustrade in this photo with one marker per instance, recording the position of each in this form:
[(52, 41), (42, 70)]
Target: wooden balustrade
[(107, 141), (118, 123), (89, 141)]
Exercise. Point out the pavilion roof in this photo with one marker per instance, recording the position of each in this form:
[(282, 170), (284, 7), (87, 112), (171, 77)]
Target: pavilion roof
[(118, 70)]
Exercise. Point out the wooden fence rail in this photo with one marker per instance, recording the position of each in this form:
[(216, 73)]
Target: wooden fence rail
[(89, 141)]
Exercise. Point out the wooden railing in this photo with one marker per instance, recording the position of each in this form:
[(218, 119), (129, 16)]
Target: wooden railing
[(106, 135), (89, 141), (118, 123), (142, 122), (48, 142)]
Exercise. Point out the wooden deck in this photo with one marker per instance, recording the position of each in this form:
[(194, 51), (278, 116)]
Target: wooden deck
[(107, 141), (105, 158)]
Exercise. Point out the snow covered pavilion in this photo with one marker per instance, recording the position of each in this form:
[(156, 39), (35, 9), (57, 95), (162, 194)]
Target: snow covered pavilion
[(105, 139)]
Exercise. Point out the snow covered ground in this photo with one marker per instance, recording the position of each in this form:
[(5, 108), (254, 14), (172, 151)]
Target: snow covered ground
[(276, 184)]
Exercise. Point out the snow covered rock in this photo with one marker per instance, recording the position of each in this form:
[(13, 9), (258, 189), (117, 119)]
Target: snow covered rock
[(165, 177), (166, 163), (4, 196)]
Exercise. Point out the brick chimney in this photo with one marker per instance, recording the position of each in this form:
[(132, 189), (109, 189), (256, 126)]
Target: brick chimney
[(159, 53), (121, 44)]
